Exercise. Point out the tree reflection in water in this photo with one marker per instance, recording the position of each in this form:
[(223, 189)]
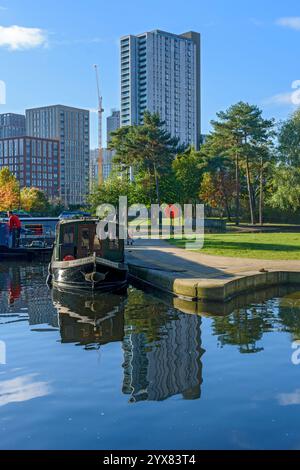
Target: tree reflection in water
[(162, 346), (245, 327)]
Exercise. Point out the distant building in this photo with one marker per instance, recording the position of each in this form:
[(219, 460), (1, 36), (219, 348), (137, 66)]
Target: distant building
[(71, 126), (203, 139), (161, 72), (12, 125), (107, 167), (94, 167), (112, 124), (34, 162)]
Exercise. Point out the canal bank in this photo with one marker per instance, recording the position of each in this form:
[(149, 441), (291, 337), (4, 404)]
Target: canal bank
[(195, 276)]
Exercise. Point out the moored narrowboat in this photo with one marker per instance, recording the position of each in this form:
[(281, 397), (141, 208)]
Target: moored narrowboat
[(32, 245), (82, 261)]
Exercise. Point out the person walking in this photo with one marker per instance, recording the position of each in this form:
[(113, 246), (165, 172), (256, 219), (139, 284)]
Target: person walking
[(14, 224)]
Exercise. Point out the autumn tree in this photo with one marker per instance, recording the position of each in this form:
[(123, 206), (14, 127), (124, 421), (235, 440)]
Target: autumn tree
[(34, 200), (9, 190), (217, 185)]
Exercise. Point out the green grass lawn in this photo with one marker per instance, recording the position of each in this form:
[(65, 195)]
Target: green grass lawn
[(284, 246)]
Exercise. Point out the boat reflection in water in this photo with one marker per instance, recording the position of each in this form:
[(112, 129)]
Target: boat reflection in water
[(161, 346), (89, 320)]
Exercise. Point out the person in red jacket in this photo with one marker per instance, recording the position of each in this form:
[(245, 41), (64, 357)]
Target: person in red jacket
[(14, 224)]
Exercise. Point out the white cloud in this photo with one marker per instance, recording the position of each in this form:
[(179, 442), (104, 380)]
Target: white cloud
[(287, 399), (292, 22), (281, 99), (22, 389), (18, 37)]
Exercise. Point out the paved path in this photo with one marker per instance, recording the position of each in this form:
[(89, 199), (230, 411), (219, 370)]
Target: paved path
[(200, 276)]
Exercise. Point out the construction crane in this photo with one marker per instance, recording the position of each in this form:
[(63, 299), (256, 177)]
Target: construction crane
[(100, 114)]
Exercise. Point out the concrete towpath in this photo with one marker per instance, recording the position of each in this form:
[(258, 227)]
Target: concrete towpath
[(197, 276)]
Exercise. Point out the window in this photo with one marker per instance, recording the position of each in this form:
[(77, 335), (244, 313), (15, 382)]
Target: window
[(68, 235)]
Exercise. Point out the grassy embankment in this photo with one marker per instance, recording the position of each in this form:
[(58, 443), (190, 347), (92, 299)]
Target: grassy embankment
[(281, 246)]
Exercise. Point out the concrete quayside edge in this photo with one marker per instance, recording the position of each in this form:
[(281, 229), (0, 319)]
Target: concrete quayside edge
[(216, 290), (195, 276)]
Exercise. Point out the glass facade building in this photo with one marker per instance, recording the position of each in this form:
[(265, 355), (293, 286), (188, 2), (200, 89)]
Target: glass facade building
[(71, 127), (12, 125)]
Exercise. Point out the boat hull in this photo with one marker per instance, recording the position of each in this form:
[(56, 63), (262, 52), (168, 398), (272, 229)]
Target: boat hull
[(89, 274), (25, 253)]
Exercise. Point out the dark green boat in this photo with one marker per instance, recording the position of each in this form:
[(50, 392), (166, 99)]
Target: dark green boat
[(82, 261)]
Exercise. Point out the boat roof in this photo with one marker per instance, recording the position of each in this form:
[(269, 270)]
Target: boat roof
[(32, 219), (78, 220)]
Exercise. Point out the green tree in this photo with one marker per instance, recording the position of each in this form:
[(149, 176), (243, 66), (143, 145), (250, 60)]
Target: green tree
[(285, 193), (188, 167), (285, 183), (239, 133), (114, 187), (34, 200), (148, 147), (289, 140)]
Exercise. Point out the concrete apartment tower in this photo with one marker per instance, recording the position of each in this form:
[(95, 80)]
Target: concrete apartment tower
[(71, 127), (161, 72)]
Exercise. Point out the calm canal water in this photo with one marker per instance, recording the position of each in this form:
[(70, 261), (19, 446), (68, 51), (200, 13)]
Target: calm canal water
[(129, 372)]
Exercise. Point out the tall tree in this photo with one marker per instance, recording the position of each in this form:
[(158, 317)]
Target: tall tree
[(239, 132), (289, 140), (285, 184), (285, 194), (188, 167), (148, 146), (217, 187)]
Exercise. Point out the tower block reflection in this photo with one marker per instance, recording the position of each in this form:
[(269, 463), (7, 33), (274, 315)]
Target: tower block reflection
[(162, 353)]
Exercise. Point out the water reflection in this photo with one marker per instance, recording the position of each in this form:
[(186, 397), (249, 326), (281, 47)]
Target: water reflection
[(162, 351), (161, 345), (24, 295), (244, 328), (89, 320), (22, 389), (289, 313), (152, 349)]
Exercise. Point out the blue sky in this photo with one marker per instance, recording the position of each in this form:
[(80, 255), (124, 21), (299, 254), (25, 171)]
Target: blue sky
[(250, 50)]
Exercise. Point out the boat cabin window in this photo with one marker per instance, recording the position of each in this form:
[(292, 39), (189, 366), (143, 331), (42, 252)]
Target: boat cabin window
[(88, 242), (67, 246), (79, 241), (85, 239), (34, 229), (68, 235), (97, 245)]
